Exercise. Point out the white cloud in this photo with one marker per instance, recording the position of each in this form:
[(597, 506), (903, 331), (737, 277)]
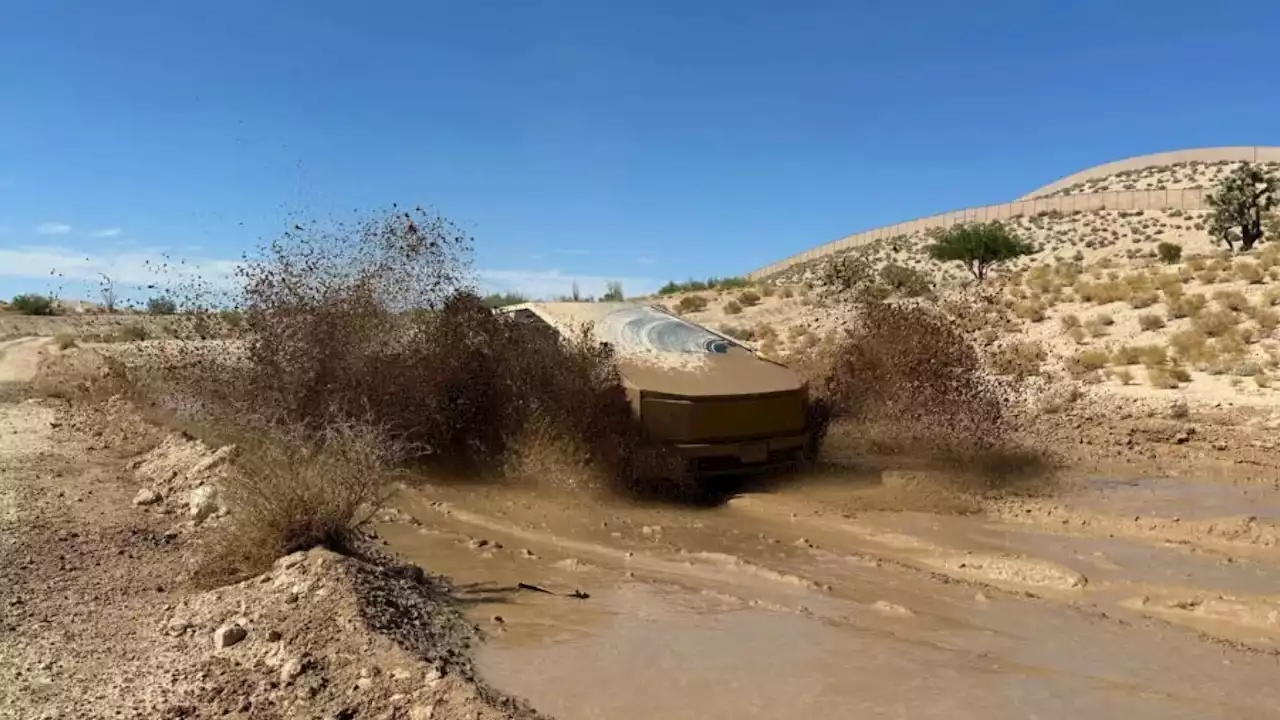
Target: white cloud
[(554, 283), (137, 267), (107, 232), (646, 261), (53, 228)]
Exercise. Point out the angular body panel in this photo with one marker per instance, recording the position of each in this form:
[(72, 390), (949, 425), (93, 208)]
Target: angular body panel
[(714, 399)]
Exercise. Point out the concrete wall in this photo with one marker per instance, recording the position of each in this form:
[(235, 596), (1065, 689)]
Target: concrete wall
[(1031, 204), (1237, 153), (1121, 200)]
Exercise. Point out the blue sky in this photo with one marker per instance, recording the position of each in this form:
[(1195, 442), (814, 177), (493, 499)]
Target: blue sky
[(638, 141)]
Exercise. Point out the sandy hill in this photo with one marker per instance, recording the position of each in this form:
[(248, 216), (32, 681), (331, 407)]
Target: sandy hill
[(1094, 307)]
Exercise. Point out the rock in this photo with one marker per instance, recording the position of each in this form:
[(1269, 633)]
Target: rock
[(177, 625), (528, 554), (422, 712), (889, 608), (146, 496), (477, 543), (400, 674), (228, 635), (273, 636), (289, 562), (290, 669), (1220, 445), (218, 458), (202, 502), (1182, 437)]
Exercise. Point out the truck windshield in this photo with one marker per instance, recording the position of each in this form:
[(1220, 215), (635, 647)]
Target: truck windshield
[(646, 329)]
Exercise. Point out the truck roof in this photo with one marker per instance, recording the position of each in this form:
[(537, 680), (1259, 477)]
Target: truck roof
[(661, 352)]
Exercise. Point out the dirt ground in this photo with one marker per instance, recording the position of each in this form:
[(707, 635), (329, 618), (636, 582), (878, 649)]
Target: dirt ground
[(103, 614), (1138, 578)]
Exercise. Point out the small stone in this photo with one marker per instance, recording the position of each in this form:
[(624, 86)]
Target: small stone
[(364, 683), (202, 502), (273, 636), (477, 543), (528, 554), (228, 635), (290, 670), (498, 620), (177, 625), (400, 674), (422, 712), (146, 496)]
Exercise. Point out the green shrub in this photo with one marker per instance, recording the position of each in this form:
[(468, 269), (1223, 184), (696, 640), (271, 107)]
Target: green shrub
[(1169, 253), (33, 304)]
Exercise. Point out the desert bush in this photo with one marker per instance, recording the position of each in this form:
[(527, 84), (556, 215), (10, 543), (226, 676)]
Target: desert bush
[(1143, 299), (905, 281), (1250, 272), (33, 304), (1029, 310), (979, 246), (1077, 334), (1150, 321), (133, 332), (1069, 321), (1187, 305), (1232, 300), (1188, 344), (732, 308), (1162, 377), (1168, 252), (1086, 361), (1124, 376), (1139, 354), (1197, 264), (163, 305), (787, 293), (1266, 318), (748, 298), (1208, 277), (691, 304), (1018, 359), (293, 491), (1098, 324), (1262, 380), (64, 340), (1215, 323)]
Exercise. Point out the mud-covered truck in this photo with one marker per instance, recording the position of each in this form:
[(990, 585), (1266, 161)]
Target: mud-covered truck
[(721, 405)]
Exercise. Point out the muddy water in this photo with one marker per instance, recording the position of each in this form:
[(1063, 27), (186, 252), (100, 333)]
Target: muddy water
[(793, 604)]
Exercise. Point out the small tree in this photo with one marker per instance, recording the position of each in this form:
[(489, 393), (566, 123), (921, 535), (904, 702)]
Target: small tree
[(497, 300), (33, 304), (613, 292), (979, 246), (1240, 204), (1169, 253), (162, 306)]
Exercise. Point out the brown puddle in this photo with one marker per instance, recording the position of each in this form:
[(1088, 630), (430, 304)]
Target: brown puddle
[(778, 606)]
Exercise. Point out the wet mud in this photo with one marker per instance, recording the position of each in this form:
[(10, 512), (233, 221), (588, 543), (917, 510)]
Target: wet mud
[(863, 599)]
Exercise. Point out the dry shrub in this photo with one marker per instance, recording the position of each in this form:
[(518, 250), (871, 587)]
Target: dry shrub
[(906, 378), (1267, 319), (1124, 376), (1150, 321), (1077, 334), (1233, 300), (1029, 310), (1162, 377), (732, 308), (1215, 323), (904, 281), (1149, 355), (1250, 272), (133, 332), (738, 332), (1087, 361), (1144, 299), (1070, 321), (1019, 359), (1262, 380), (749, 298), (292, 491), (1187, 305), (64, 340), (1189, 344), (691, 304), (1097, 325)]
